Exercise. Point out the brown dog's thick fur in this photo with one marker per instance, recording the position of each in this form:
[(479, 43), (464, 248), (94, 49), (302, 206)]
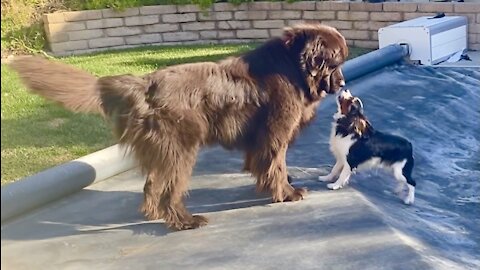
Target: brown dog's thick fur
[(256, 103)]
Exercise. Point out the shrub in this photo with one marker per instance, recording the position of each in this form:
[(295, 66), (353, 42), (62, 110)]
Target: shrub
[(22, 27)]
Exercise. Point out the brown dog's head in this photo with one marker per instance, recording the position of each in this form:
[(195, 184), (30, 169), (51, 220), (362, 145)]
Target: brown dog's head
[(322, 51)]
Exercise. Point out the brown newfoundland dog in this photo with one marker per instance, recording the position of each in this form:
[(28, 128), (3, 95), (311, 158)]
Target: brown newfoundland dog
[(256, 102)]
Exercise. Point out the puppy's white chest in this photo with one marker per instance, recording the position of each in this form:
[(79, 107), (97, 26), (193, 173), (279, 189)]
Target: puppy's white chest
[(339, 145)]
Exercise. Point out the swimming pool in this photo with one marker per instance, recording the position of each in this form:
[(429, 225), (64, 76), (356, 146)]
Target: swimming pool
[(438, 109), (361, 225)]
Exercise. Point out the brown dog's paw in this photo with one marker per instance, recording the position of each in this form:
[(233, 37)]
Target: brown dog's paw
[(292, 195), (297, 195), (194, 222), (200, 220)]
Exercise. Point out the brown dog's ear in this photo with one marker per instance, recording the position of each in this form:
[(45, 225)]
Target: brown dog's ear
[(288, 36)]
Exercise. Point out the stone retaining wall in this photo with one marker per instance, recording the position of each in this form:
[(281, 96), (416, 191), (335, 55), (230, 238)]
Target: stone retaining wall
[(86, 31)]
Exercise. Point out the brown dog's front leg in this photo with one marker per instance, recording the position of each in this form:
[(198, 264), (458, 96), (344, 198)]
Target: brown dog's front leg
[(268, 159), (248, 161), (270, 169)]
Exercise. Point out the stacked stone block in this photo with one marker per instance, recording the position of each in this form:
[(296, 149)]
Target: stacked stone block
[(86, 31)]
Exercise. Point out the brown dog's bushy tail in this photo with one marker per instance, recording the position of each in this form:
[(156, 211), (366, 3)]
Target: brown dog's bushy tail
[(75, 89)]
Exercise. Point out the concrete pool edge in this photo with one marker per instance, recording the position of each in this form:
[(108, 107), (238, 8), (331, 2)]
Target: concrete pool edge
[(57, 182)]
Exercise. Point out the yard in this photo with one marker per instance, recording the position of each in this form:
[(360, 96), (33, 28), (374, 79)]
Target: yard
[(36, 134)]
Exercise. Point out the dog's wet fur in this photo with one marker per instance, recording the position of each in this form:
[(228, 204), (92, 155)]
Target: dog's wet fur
[(256, 102)]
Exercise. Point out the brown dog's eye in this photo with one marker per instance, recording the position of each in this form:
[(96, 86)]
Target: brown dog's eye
[(319, 61)]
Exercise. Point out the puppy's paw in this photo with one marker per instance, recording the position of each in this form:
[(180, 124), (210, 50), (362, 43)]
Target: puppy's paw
[(333, 186), (408, 200), (399, 190), (325, 178), (410, 197)]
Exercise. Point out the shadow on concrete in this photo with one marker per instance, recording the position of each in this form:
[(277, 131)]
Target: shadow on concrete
[(118, 210)]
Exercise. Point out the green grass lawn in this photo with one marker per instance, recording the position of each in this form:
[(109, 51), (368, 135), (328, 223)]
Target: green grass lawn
[(37, 134)]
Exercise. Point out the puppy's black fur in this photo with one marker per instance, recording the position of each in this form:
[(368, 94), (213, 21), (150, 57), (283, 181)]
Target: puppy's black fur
[(357, 145)]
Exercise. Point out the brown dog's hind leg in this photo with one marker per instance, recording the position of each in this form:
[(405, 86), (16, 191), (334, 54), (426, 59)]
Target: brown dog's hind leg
[(168, 158), (176, 214), (164, 193), (151, 198)]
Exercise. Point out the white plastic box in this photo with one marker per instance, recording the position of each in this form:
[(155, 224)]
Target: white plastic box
[(430, 40)]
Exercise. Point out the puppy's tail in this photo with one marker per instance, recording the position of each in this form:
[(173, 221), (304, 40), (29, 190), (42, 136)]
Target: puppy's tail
[(74, 89)]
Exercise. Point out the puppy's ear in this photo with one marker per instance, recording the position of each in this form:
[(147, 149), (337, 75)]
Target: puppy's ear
[(360, 126), (357, 106), (360, 123)]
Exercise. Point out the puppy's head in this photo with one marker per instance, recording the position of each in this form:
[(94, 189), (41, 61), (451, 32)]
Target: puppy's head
[(322, 51), (351, 108), (349, 105)]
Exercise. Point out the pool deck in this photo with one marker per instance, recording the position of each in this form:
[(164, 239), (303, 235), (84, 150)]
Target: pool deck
[(475, 61), (100, 228)]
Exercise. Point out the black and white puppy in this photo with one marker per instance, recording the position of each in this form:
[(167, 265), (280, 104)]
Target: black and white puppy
[(356, 145)]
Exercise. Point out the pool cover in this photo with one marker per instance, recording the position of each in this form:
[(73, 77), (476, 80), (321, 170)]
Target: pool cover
[(438, 110), (363, 226)]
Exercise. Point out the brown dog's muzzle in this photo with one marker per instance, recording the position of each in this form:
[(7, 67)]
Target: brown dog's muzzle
[(337, 81), (332, 83)]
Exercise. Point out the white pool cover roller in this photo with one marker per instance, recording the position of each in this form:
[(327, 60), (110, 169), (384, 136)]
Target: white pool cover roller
[(367, 63), (62, 180)]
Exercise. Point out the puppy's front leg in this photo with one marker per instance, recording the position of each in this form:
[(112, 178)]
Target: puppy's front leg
[(342, 179), (333, 174)]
